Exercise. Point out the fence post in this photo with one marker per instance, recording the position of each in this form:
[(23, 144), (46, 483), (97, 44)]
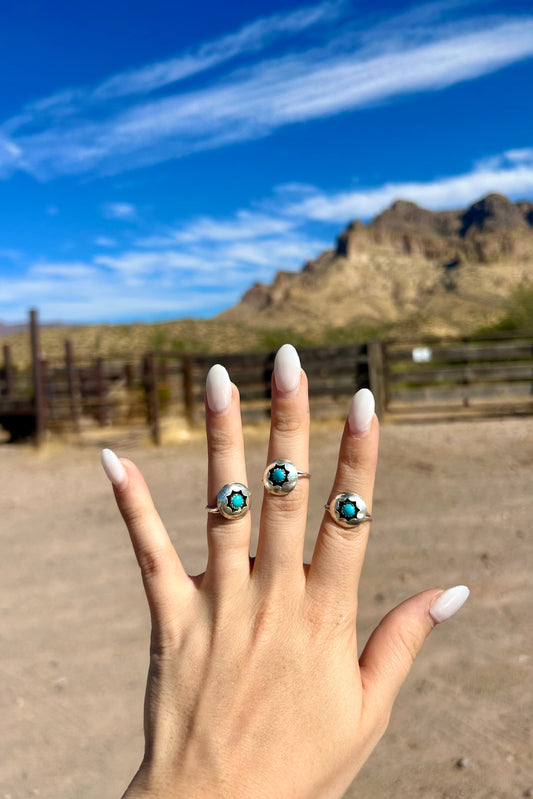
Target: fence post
[(188, 389), (38, 392), (8, 372), (129, 375), (100, 392), (377, 375), (71, 384), (153, 398), (45, 386)]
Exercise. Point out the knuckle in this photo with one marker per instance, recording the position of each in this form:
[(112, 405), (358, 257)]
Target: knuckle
[(288, 421), (355, 538), (266, 622), (279, 506), (152, 562), (221, 440), (406, 642), (135, 514)]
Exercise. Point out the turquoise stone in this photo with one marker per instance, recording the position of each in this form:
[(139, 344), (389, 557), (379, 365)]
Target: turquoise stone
[(348, 510), (278, 475), (237, 501)]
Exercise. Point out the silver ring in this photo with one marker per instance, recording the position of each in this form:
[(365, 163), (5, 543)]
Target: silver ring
[(348, 509), (233, 501), (281, 476)]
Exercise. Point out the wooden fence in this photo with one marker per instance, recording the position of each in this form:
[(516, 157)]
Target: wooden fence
[(410, 381), (459, 378)]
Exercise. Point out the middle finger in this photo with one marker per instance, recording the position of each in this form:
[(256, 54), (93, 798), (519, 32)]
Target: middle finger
[(283, 516)]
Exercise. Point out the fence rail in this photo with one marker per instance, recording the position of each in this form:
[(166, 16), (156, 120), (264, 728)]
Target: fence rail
[(410, 380), (460, 378)]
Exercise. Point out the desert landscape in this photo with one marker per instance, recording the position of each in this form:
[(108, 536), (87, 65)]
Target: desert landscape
[(452, 505), (409, 272)]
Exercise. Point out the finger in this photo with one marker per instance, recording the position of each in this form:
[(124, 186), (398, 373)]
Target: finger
[(283, 515), (339, 552), (164, 578), (393, 646), (228, 539)]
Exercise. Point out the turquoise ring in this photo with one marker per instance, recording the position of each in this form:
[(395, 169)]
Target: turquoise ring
[(348, 509), (233, 501), (281, 476)]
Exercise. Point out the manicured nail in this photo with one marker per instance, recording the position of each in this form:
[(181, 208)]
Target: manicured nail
[(218, 389), (361, 412), (449, 603), (287, 368), (113, 468)]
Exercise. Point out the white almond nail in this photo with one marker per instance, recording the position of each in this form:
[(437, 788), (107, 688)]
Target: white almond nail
[(361, 412), (218, 389), (448, 603), (113, 467), (287, 368)]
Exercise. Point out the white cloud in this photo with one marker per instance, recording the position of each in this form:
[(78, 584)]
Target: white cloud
[(123, 211), (510, 173), (105, 241), (243, 225), (252, 37), (342, 75), (150, 263), (10, 254), (75, 270)]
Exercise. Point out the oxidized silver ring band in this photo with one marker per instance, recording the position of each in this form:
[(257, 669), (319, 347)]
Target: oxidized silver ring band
[(233, 501), (281, 476), (348, 509)]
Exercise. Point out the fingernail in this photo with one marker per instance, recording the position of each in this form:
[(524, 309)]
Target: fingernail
[(113, 468), (449, 603), (287, 368), (218, 389), (361, 412)]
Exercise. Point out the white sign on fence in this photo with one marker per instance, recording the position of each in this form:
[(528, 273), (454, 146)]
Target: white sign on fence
[(422, 354)]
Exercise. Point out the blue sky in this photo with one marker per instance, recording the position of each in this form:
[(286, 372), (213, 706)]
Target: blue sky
[(156, 159)]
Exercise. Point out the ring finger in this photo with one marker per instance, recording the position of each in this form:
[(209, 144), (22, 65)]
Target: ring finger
[(340, 550)]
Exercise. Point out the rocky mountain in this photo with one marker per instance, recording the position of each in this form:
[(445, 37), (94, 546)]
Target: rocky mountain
[(409, 269)]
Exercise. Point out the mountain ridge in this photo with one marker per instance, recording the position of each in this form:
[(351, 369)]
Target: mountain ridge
[(420, 271)]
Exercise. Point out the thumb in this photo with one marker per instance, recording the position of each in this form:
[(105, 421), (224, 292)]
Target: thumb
[(391, 649)]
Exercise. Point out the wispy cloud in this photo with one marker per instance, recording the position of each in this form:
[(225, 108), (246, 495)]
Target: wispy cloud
[(510, 173), (352, 71), (242, 226), (124, 211), (250, 38), (105, 241)]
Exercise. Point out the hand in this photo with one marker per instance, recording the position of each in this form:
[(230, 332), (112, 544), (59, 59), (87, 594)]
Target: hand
[(254, 689)]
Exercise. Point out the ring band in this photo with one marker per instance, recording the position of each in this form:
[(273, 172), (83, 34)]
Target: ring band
[(281, 476), (233, 501), (348, 509)]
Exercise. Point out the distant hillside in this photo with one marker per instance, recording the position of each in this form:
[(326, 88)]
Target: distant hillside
[(409, 270)]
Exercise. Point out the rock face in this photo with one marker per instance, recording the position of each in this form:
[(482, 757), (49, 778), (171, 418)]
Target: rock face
[(416, 270)]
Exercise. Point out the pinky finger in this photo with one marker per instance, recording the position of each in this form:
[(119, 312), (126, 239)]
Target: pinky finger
[(165, 581)]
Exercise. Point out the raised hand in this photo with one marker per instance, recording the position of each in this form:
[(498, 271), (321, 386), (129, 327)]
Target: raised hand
[(255, 690)]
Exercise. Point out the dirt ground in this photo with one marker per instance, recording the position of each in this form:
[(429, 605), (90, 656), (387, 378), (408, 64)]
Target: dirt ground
[(453, 505)]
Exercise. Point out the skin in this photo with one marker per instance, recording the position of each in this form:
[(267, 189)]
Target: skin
[(254, 689)]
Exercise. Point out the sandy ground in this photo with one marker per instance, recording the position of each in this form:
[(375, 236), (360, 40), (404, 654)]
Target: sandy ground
[(453, 505)]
